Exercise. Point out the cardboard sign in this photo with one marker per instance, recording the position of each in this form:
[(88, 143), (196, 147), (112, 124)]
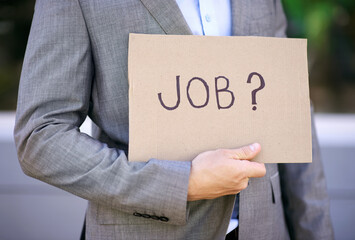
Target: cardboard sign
[(189, 94)]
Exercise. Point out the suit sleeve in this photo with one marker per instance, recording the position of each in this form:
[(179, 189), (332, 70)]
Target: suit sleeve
[(303, 185), (54, 99)]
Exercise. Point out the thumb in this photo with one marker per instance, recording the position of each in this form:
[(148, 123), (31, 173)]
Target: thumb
[(247, 152)]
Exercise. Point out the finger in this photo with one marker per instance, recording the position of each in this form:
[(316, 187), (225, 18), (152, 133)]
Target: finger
[(246, 152), (254, 169)]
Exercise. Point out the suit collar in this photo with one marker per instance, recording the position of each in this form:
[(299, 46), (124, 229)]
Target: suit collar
[(167, 13)]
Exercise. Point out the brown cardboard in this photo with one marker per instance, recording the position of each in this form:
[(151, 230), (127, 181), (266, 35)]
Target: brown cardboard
[(281, 122)]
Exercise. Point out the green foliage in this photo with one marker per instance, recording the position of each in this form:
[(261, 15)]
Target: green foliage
[(311, 20), (15, 21), (329, 27)]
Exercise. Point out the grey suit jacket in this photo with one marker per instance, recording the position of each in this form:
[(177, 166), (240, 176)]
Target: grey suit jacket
[(76, 65)]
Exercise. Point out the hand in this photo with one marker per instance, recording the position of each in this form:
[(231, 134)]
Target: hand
[(223, 172)]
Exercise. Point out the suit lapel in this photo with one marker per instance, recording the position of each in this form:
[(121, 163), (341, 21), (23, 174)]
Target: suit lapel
[(167, 13), (240, 23)]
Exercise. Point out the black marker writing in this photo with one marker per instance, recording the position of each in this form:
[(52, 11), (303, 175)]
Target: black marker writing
[(207, 92), (253, 93), (218, 91), (178, 96), (225, 89)]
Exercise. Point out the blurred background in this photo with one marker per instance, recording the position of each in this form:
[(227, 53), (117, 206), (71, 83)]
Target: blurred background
[(30, 209), (329, 27)]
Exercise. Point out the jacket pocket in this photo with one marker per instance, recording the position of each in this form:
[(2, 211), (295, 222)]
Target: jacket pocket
[(275, 188)]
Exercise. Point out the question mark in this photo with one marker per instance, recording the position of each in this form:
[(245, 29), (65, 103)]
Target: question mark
[(253, 93)]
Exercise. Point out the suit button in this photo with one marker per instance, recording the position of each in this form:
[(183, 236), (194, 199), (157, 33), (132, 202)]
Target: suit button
[(164, 219), (137, 214), (146, 215), (155, 217)]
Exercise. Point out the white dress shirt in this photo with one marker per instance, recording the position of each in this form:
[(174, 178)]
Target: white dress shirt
[(207, 17)]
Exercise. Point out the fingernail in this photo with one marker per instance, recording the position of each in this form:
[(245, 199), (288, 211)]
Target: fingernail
[(252, 147)]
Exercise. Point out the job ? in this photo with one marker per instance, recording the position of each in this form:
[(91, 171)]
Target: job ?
[(217, 91)]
